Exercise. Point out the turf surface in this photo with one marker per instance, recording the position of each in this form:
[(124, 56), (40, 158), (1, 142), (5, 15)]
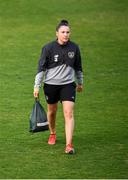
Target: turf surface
[(100, 27)]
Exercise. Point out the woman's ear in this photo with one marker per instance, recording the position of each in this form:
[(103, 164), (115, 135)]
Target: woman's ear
[(57, 33)]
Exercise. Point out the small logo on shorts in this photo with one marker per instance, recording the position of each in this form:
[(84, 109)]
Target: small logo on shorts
[(46, 97), (71, 54)]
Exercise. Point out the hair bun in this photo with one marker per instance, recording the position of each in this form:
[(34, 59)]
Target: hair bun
[(63, 21)]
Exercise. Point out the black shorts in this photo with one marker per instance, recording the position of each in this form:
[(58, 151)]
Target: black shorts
[(55, 93)]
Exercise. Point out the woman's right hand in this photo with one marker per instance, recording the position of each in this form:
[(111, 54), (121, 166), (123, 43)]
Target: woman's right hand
[(36, 93)]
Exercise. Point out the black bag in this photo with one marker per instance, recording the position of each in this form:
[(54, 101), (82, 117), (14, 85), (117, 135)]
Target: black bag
[(38, 118)]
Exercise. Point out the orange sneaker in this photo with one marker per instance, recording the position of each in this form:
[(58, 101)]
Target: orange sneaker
[(52, 139), (69, 149)]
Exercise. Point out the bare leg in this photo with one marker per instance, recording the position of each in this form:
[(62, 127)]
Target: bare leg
[(52, 109), (68, 108)]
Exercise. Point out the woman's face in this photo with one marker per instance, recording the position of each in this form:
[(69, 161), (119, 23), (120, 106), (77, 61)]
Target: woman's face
[(63, 34)]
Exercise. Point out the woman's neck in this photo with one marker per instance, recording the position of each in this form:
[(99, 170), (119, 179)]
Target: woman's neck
[(61, 42)]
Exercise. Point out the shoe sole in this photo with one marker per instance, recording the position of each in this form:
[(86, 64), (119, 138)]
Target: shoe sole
[(51, 143), (70, 152)]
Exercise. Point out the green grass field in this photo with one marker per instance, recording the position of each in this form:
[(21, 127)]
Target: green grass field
[(100, 27)]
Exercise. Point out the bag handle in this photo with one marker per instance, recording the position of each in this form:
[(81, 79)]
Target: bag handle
[(37, 99)]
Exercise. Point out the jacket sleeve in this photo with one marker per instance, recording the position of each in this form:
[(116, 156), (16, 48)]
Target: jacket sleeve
[(41, 68), (78, 67), (42, 60)]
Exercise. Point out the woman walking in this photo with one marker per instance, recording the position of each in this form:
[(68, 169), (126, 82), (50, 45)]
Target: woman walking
[(60, 70)]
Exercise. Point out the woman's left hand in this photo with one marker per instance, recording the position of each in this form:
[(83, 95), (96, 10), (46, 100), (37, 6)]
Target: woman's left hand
[(79, 88)]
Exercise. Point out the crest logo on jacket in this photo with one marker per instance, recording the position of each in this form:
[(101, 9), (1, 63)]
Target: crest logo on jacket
[(71, 54), (56, 57)]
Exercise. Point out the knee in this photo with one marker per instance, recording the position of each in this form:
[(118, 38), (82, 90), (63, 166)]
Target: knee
[(68, 114), (52, 112)]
